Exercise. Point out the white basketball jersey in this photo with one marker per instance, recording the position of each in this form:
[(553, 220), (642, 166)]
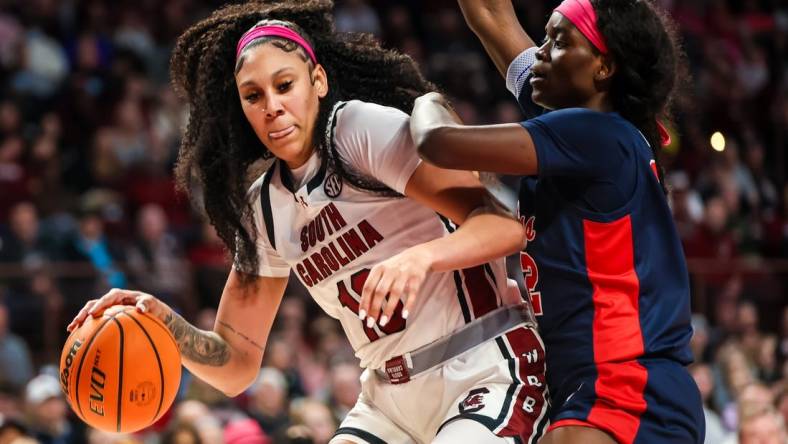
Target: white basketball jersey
[(331, 234)]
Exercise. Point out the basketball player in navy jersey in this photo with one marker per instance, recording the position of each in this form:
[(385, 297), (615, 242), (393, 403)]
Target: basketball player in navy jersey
[(603, 262)]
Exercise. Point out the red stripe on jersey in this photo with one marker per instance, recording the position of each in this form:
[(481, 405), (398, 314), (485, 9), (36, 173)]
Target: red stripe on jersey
[(482, 294), (527, 410), (653, 165), (617, 336)]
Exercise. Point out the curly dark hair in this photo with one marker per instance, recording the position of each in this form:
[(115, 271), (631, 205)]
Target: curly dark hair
[(649, 64), (220, 146)]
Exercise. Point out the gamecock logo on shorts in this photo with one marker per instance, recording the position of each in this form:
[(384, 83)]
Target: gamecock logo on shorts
[(333, 185), (474, 401)]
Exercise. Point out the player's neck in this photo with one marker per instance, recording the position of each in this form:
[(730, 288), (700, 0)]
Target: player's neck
[(599, 102)]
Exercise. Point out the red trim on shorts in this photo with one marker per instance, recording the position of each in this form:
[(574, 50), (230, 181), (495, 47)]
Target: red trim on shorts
[(481, 293), (523, 342), (570, 422), (618, 339)]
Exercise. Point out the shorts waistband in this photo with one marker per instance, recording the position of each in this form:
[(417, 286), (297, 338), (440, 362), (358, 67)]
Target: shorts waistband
[(400, 369)]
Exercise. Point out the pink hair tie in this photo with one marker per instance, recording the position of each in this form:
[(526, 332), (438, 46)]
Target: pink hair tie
[(581, 13), (664, 135), (273, 31)]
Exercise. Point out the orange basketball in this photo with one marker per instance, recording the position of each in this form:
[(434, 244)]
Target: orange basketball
[(120, 372)]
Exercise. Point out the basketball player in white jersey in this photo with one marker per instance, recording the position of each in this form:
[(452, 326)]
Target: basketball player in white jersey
[(368, 228)]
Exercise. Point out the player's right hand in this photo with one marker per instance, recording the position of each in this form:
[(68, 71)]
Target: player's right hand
[(144, 302)]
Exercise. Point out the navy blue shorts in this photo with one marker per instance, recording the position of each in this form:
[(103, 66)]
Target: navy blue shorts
[(638, 402)]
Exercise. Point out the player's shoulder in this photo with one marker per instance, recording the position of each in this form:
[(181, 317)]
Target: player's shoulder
[(581, 116), (587, 124), (358, 113)]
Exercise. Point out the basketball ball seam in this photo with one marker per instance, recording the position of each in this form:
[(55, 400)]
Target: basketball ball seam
[(157, 322), (158, 359), (120, 371)]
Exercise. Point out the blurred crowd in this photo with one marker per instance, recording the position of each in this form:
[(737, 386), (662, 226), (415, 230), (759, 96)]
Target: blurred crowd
[(89, 133)]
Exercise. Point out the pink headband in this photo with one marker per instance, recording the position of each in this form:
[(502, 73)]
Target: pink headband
[(273, 31), (583, 16)]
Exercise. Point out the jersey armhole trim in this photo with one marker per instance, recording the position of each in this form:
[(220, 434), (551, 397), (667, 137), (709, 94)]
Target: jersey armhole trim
[(265, 205)]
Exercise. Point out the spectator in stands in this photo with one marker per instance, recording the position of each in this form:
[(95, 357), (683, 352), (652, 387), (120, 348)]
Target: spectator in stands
[(747, 332), (344, 388), (245, 431), (156, 261), (203, 419), (181, 433), (281, 355), (357, 16), (209, 261), (715, 432), (685, 203), (32, 301), (23, 244), (13, 176), (10, 403), (16, 366), (317, 417), (47, 411), (89, 244), (269, 401), (713, 242), (761, 425), (12, 431), (700, 338)]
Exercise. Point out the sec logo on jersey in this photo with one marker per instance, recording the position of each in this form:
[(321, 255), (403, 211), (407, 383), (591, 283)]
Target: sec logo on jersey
[(333, 185)]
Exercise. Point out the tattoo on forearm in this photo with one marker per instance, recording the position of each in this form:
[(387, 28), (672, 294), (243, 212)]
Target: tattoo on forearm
[(197, 345), (248, 339)]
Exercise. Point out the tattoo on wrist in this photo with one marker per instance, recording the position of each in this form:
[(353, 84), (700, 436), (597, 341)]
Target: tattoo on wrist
[(248, 339), (196, 345)]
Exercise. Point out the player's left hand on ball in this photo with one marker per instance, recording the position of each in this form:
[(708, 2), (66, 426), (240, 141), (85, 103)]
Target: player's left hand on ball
[(396, 279)]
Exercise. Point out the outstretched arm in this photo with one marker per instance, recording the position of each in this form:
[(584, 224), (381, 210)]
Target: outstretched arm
[(508, 45), (444, 142), (228, 358), (496, 25)]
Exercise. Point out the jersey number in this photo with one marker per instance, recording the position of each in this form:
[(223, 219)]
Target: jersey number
[(531, 278), (350, 300)]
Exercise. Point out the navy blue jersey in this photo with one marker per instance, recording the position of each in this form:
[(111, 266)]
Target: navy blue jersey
[(603, 261), (607, 276)]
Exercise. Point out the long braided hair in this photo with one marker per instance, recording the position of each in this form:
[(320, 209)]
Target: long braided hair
[(649, 64), (220, 146)]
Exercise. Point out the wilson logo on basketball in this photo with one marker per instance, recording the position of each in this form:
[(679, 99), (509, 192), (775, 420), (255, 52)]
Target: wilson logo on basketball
[(67, 366), (97, 380)]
